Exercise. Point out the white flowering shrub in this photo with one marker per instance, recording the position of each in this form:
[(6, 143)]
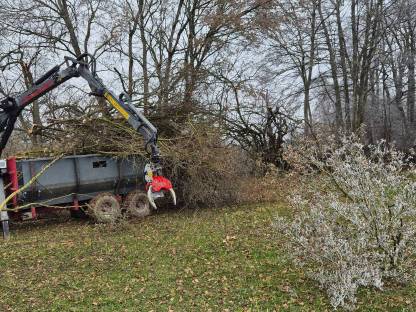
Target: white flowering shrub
[(355, 221)]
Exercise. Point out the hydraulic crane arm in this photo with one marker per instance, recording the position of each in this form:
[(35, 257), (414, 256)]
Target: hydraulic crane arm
[(84, 66), (11, 107)]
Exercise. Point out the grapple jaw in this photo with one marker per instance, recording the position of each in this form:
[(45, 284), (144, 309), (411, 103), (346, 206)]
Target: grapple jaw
[(157, 187)]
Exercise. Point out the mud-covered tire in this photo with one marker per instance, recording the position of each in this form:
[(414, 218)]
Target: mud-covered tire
[(137, 205), (104, 208)]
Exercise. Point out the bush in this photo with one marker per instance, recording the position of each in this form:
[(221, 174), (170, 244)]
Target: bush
[(355, 225)]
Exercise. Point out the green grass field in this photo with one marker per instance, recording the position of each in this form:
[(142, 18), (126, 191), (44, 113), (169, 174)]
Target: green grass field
[(212, 260)]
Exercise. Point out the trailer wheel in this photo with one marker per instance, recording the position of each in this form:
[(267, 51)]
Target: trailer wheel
[(104, 208), (137, 205)]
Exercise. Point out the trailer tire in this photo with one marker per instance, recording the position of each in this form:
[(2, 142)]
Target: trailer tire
[(137, 205), (104, 208)]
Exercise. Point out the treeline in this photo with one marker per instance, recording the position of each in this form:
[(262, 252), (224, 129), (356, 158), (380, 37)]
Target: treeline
[(356, 63), (258, 70)]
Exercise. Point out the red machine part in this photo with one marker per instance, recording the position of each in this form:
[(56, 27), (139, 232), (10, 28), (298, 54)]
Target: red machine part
[(33, 212), (45, 87), (13, 178), (159, 183)]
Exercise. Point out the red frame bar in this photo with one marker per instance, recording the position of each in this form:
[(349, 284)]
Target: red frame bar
[(47, 86), (14, 181), (34, 213)]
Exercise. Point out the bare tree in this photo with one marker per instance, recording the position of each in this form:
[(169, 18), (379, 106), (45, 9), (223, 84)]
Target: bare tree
[(292, 34)]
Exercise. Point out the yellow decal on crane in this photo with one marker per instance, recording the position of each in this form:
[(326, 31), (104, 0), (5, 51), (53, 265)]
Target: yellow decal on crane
[(116, 105)]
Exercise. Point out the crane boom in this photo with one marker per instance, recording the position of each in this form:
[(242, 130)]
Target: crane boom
[(85, 67)]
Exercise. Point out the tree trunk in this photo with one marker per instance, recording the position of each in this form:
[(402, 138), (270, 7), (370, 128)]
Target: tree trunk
[(411, 90), (344, 57), (333, 63), (70, 26), (307, 106), (355, 61), (145, 69)]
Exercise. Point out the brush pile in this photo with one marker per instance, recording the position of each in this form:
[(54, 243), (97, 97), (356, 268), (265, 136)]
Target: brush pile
[(204, 170), (88, 136)]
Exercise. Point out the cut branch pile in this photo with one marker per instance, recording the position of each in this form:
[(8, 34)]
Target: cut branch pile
[(88, 136), (204, 170)]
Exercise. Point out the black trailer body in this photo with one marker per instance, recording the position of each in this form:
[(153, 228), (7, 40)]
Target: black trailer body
[(80, 176), (67, 182)]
